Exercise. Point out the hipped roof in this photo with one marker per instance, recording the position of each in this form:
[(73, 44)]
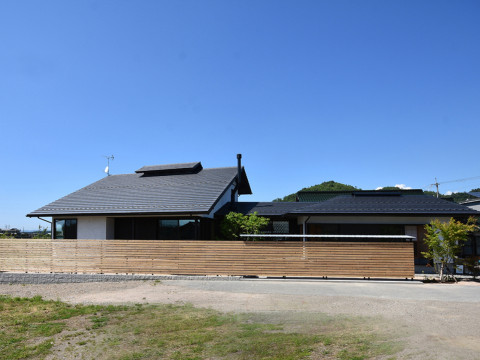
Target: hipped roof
[(400, 204)]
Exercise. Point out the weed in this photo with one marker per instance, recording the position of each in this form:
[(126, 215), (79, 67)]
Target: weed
[(31, 328)]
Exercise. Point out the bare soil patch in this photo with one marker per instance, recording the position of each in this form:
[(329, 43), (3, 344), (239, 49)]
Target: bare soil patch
[(431, 329)]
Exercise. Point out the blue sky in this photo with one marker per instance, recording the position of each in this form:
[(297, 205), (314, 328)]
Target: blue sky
[(368, 93)]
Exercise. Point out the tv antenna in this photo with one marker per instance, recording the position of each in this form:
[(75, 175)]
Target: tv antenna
[(107, 169)]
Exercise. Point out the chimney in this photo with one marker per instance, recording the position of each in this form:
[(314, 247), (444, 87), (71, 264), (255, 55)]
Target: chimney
[(239, 169)]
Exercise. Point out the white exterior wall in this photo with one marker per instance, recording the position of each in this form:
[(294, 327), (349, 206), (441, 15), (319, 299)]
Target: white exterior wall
[(223, 200), (92, 227)]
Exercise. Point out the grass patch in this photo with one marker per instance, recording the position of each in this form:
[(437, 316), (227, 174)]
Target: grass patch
[(32, 328)]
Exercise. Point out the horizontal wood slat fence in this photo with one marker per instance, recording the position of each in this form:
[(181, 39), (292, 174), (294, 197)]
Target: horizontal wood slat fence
[(198, 257)]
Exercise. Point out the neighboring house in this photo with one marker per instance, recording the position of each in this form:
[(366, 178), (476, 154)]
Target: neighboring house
[(472, 246), (176, 201), (474, 202), (11, 232), (371, 212)]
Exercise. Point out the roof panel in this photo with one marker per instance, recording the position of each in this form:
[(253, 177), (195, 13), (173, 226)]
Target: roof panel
[(134, 193), (402, 204), (356, 205), (188, 168)]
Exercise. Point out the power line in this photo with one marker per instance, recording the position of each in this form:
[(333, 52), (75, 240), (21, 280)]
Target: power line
[(436, 183)]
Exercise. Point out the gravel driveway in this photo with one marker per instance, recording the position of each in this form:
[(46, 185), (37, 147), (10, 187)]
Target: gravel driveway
[(440, 321)]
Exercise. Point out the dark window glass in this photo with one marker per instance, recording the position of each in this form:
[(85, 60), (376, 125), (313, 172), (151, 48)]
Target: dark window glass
[(155, 228), (356, 229), (477, 242), (123, 228), (467, 248), (59, 229), (187, 229), (280, 227), (145, 228), (168, 229), (65, 229)]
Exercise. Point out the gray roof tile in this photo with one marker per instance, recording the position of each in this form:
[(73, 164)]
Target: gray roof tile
[(357, 205), (137, 194), (388, 205)]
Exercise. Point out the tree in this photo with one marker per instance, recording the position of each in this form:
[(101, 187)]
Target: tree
[(445, 240), (325, 186), (235, 224), (42, 233)]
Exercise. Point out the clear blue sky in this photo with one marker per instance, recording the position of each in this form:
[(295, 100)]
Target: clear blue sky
[(368, 93)]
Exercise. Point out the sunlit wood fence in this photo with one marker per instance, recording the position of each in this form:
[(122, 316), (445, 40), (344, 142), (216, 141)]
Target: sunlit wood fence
[(195, 257)]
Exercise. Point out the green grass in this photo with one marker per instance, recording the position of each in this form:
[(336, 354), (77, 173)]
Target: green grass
[(32, 328)]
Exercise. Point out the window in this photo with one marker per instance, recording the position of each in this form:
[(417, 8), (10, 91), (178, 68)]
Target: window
[(175, 229), (149, 228), (187, 229), (168, 229), (65, 229)]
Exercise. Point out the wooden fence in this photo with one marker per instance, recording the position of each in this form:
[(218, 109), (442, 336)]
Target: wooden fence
[(192, 257)]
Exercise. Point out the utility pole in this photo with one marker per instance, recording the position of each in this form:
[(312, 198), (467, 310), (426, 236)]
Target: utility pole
[(436, 184)]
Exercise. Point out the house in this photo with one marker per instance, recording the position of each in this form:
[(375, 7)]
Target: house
[(472, 246), (473, 202), (359, 212), (176, 201), (368, 233), (187, 202)]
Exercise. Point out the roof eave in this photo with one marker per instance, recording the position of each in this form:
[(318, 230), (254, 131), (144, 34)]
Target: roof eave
[(183, 213), (382, 214)]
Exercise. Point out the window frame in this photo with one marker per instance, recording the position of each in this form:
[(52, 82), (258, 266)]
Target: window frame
[(69, 232)]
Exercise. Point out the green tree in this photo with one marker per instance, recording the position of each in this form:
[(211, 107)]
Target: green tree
[(42, 233), (445, 240), (325, 186), (235, 224)]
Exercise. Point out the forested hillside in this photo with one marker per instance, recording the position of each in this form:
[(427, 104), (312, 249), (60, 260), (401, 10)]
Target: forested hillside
[(336, 186), (325, 186)]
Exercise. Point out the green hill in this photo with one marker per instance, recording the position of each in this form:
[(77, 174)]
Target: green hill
[(325, 186), (335, 186)]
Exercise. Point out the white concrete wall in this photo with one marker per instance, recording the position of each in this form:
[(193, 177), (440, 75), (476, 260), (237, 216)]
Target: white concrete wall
[(223, 200), (92, 227)]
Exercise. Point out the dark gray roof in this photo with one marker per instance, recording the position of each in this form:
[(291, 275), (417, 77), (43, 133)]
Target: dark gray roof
[(262, 208), (184, 167), (357, 205), (137, 194), (387, 205), (314, 196), (475, 193)]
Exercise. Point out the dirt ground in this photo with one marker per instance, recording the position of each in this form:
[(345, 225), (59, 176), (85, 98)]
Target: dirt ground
[(436, 321)]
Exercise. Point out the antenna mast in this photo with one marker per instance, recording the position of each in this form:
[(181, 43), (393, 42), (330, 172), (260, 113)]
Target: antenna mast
[(107, 169)]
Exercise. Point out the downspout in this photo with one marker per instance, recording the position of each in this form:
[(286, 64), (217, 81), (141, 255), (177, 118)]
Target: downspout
[(305, 227), (304, 238)]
